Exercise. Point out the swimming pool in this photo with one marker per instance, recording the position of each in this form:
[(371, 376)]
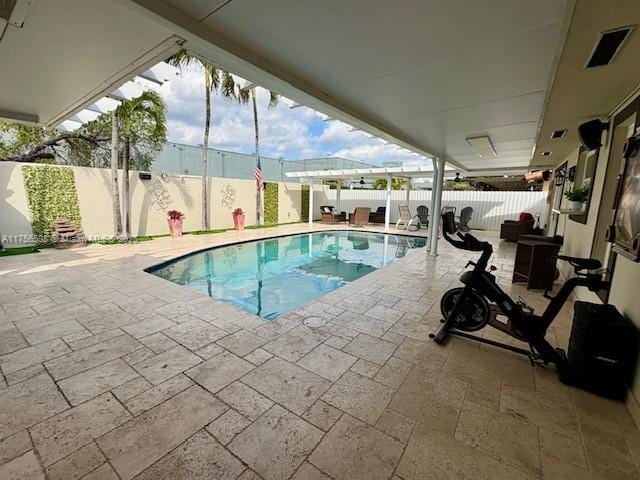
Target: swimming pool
[(273, 276)]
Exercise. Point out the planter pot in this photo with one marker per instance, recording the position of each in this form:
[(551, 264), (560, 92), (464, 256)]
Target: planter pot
[(175, 227), (575, 205), (238, 222)]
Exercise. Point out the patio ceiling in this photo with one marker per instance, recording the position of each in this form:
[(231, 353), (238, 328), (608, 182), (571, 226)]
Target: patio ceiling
[(421, 73), (580, 94), (383, 172), (63, 55)]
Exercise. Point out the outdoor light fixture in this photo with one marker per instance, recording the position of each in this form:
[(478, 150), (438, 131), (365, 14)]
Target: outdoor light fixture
[(559, 178), (482, 146), (457, 179)]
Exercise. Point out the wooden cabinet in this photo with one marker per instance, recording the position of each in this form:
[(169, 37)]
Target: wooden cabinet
[(535, 263)]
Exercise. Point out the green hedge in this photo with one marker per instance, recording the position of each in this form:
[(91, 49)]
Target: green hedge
[(271, 203), (304, 208), (51, 192)]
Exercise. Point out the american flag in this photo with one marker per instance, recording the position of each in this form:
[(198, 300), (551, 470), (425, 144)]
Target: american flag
[(259, 175)]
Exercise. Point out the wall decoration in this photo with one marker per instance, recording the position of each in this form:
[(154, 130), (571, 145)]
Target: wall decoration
[(160, 196), (271, 203), (51, 193), (627, 217), (584, 176), (228, 196)]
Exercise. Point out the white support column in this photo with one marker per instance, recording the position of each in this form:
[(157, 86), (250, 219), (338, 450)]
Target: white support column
[(338, 190), (408, 187), (438, 203), (310, 202), (387, 211), (433, 202)]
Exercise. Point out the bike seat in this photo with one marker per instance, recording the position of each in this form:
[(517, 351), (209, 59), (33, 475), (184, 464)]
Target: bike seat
[(582, 263)]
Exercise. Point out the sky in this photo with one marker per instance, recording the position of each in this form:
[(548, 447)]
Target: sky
[(286, 133)]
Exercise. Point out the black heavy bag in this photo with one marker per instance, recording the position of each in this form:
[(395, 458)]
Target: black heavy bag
[(602, 350)]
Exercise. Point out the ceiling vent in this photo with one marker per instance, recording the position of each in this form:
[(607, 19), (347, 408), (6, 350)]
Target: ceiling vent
[(556, 134), (608, 46), (546, 154)]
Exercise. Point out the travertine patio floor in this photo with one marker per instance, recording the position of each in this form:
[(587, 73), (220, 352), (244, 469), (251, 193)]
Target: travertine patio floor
[(111, 373)]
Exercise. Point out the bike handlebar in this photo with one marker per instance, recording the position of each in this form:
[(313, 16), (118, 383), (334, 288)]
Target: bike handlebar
[(469, 242)]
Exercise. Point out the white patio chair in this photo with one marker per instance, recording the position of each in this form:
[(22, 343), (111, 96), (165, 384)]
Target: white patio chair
[(406, 220)]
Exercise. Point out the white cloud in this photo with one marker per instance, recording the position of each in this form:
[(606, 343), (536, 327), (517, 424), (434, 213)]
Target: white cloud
[(288, 133)]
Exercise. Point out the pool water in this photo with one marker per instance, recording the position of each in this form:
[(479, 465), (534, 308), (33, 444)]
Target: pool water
[(273, 276)]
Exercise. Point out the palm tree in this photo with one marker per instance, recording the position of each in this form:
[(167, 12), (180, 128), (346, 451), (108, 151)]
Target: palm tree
[(149, 108), (115, 191), (396, 183), (215, 80), (243, 96)]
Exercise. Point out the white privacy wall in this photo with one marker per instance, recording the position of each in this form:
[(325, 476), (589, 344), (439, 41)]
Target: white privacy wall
[(490, 209)]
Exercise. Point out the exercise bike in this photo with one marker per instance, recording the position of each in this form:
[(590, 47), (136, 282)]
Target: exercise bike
[(481, 301)]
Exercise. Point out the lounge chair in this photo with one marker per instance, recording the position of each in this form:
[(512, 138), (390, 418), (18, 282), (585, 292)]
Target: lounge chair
[(465, 219), (406, 220), (330, 216), (378, 215), (423, 215), (359, 217)]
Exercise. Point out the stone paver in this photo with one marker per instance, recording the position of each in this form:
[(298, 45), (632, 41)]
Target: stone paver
[(32, 355), (78, 464), (233, 388), (199, 458), (167, 364), (241, 343), (322, 415), (136, 445), (287, 384), (352, 450), (227, 426), (276, 444), (86, 385), (359, 396), (148, 327), (25, 467), (63, 434), (151, 397), (327, 362), (194, 334), (11, 339), (92, 356), (370, 348), (220, 371), (28, 403), (245, 400), (14, 446), (433, 454)]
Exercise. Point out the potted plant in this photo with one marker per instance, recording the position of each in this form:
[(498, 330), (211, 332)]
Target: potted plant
[(577, 197), (238, 219), (174, 219)]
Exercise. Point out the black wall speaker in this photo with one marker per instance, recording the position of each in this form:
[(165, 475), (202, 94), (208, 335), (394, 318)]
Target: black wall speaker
[(610, 234), (635, 245), (590, 133)]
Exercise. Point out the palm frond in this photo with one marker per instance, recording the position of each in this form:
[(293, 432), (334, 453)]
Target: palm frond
[(274, 98), (212, 75), (182, 59), (228, 86)]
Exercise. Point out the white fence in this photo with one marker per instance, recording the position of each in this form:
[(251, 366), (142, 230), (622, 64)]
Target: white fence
[(490, 209)]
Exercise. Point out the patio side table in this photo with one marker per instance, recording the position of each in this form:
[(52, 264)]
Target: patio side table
[(535, 263)]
